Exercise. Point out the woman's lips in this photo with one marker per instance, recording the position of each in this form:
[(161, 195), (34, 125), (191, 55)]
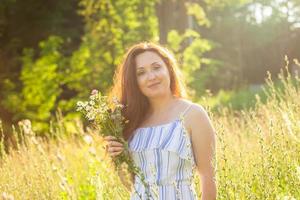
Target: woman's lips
[(153, 85)]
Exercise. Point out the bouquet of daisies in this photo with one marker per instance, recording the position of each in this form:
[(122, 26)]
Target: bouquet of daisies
[(106, 117)]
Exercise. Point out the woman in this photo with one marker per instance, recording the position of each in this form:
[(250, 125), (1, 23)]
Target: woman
[(168, 136)]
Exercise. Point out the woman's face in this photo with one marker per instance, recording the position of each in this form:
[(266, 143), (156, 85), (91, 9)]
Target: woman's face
[(152, 74)]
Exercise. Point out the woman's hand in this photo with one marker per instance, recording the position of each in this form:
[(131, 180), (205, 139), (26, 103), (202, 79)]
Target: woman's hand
[(113, 147)]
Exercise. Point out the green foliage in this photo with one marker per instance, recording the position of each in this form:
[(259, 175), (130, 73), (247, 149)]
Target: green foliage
[(245, 98), (174, 41), (221, 4), (191, 58), (41, 80), (198, 12), (190, 49), (52, 78), (76, 78), (110, 27), (78, 69)]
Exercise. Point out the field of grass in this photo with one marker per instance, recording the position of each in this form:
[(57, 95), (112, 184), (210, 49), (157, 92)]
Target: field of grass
[(258, 156)]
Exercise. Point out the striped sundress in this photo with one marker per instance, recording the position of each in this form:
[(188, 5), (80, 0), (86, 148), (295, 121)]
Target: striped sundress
[(165, 156)]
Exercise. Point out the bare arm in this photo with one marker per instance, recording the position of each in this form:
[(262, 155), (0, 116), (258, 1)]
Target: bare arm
[(203, 140)]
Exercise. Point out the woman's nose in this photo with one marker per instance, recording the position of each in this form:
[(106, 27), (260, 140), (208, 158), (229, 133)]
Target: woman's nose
[(151, 75)]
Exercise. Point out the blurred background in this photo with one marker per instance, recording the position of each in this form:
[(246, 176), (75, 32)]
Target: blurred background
[(239, 59), (53, 53)]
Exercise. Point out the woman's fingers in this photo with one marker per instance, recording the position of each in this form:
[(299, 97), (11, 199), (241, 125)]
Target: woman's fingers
[(112, 141), (114, 154), (110, 137), (114, 144), (115, 149)]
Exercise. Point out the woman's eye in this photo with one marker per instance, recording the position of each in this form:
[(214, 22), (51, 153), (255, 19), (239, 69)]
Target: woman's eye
[(157, 67), (140, 73)]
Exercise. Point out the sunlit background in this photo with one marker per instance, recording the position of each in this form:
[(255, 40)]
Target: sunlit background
[(53, 53)]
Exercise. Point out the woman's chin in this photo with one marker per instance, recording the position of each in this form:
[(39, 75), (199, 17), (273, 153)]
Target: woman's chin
[(155, 94)]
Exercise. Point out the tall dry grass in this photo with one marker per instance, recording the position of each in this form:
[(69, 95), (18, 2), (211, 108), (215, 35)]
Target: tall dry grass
[(258, 154), (64, 168)]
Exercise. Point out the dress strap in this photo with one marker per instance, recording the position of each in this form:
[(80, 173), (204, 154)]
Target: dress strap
[(184, 112)]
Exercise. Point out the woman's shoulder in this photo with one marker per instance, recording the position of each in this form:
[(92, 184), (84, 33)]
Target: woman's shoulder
[(194, 108), (200, 122), (195, 114)]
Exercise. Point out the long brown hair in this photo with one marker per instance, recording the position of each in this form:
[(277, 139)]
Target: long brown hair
[(126, 89)]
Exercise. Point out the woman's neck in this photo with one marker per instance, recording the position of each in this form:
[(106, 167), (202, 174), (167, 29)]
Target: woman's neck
[(159, 105)]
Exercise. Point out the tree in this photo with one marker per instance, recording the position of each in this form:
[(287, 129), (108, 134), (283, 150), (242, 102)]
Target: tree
[(40, 79), (111, 27)]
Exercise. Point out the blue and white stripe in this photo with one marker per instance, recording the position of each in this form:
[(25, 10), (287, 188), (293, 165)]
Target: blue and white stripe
[(165, 156)]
